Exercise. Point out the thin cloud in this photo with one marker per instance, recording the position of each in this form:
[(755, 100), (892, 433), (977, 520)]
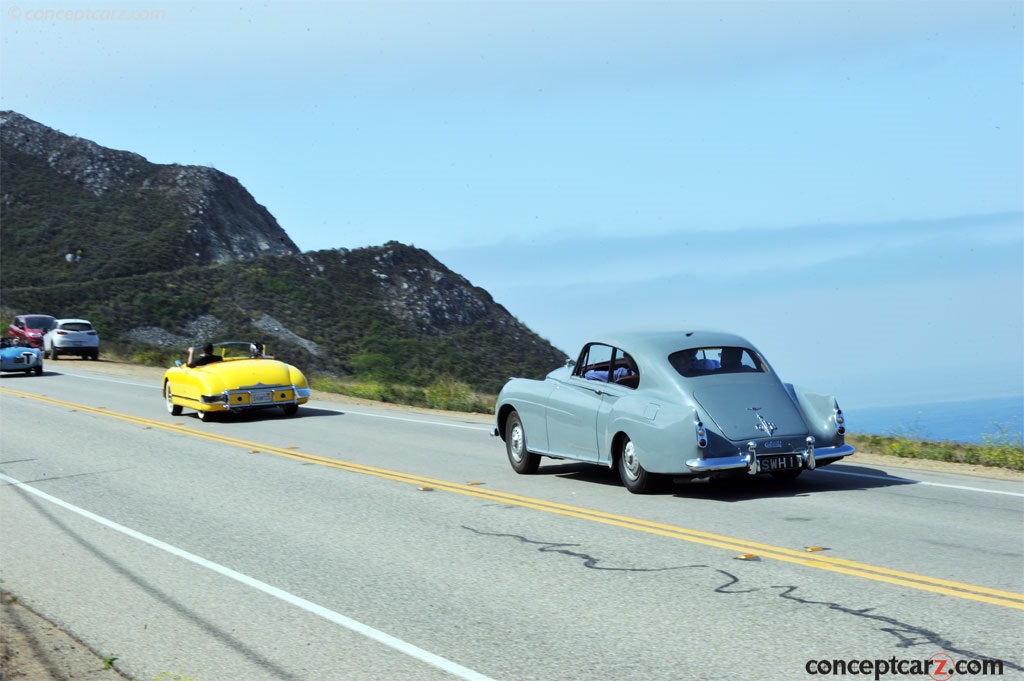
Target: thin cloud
[(696, 255)]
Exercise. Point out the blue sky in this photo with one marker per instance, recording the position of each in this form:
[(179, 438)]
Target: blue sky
[(841, 182)]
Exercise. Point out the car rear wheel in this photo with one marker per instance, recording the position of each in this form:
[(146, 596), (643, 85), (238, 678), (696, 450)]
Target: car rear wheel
[(173, 409), (290, 409), (634, 477), (53, 353), (39, 369), (522, 459)]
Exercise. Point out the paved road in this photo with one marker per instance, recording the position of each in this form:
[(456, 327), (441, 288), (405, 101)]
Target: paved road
[(374, 543)]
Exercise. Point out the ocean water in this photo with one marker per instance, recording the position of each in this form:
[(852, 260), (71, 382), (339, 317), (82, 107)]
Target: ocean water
[(971, 421)]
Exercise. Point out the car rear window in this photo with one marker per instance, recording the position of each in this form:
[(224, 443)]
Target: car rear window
[(716, 361), (76, 326), (38, 322)]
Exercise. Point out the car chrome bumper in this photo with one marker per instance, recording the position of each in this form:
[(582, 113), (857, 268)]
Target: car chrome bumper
[(242, 398), (811, 459), (830, 454)]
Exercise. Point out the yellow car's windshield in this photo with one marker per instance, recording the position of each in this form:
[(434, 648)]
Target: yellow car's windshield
[(239, 350)]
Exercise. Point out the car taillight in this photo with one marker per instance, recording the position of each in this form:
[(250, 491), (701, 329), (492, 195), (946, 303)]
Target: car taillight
[(61, 333), (840, 421), (91, 333), (702, 435)]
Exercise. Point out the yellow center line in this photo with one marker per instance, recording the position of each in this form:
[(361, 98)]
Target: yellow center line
[(937, 585)]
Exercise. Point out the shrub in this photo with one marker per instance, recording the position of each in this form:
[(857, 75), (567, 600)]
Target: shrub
[(446, 394), (455, 396), (1000, 450), (151, 358)]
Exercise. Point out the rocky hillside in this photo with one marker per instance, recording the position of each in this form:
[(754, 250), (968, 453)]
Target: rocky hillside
[(176, 255), (63, 194)]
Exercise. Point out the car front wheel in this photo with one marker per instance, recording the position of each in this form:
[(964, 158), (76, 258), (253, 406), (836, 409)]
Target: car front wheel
[(522, 459), (173, 409), (634, 477)]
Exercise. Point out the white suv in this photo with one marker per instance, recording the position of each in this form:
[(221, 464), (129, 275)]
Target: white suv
[(71, 337)]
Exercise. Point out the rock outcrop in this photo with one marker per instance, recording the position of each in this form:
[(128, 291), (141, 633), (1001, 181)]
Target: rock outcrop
[(221, 219)]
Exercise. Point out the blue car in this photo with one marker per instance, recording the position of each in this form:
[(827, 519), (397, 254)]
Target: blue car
[(671, 404), (17, 357)]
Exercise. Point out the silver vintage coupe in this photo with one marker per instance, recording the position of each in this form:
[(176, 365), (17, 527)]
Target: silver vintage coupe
[(670, 404)]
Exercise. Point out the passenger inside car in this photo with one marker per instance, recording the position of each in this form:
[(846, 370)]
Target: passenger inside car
[(731, 359), (206, 356), (694, 362), (607, 364), (705, 364), (682, 361), (602, 374), (738, 360)]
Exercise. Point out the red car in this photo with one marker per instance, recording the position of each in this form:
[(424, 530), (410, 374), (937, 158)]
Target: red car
[(28, 329)]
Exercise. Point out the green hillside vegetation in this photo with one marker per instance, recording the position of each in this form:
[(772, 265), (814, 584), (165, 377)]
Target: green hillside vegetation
[(45, 215), (338, 307)]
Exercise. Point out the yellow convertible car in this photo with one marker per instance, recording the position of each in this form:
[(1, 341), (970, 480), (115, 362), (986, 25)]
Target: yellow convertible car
[(232, 377)]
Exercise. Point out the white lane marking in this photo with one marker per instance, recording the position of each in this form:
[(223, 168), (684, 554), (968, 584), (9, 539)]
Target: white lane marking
[(369, 632), (320, 405), (94, 377), (890, 478), (404, 418)]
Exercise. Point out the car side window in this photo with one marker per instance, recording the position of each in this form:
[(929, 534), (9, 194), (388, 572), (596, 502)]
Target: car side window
[(607, 364), (594, 359), (626, 372)]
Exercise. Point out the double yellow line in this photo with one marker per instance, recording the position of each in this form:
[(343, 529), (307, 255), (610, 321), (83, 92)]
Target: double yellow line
[(743, 547)]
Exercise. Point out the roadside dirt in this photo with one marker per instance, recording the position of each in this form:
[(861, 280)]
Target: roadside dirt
[(34, 649)]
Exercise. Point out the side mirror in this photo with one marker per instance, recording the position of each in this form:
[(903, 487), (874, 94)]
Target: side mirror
[(570, 363), (177, 362)]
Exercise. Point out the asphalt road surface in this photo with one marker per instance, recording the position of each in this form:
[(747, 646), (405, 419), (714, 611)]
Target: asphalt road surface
[(362, 542)]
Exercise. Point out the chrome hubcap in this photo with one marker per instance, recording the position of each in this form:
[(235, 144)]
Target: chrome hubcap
[(515, 441), (629, 461)]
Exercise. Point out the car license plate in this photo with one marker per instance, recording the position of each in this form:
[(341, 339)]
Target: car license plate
[(261, 397), (767, 464)]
